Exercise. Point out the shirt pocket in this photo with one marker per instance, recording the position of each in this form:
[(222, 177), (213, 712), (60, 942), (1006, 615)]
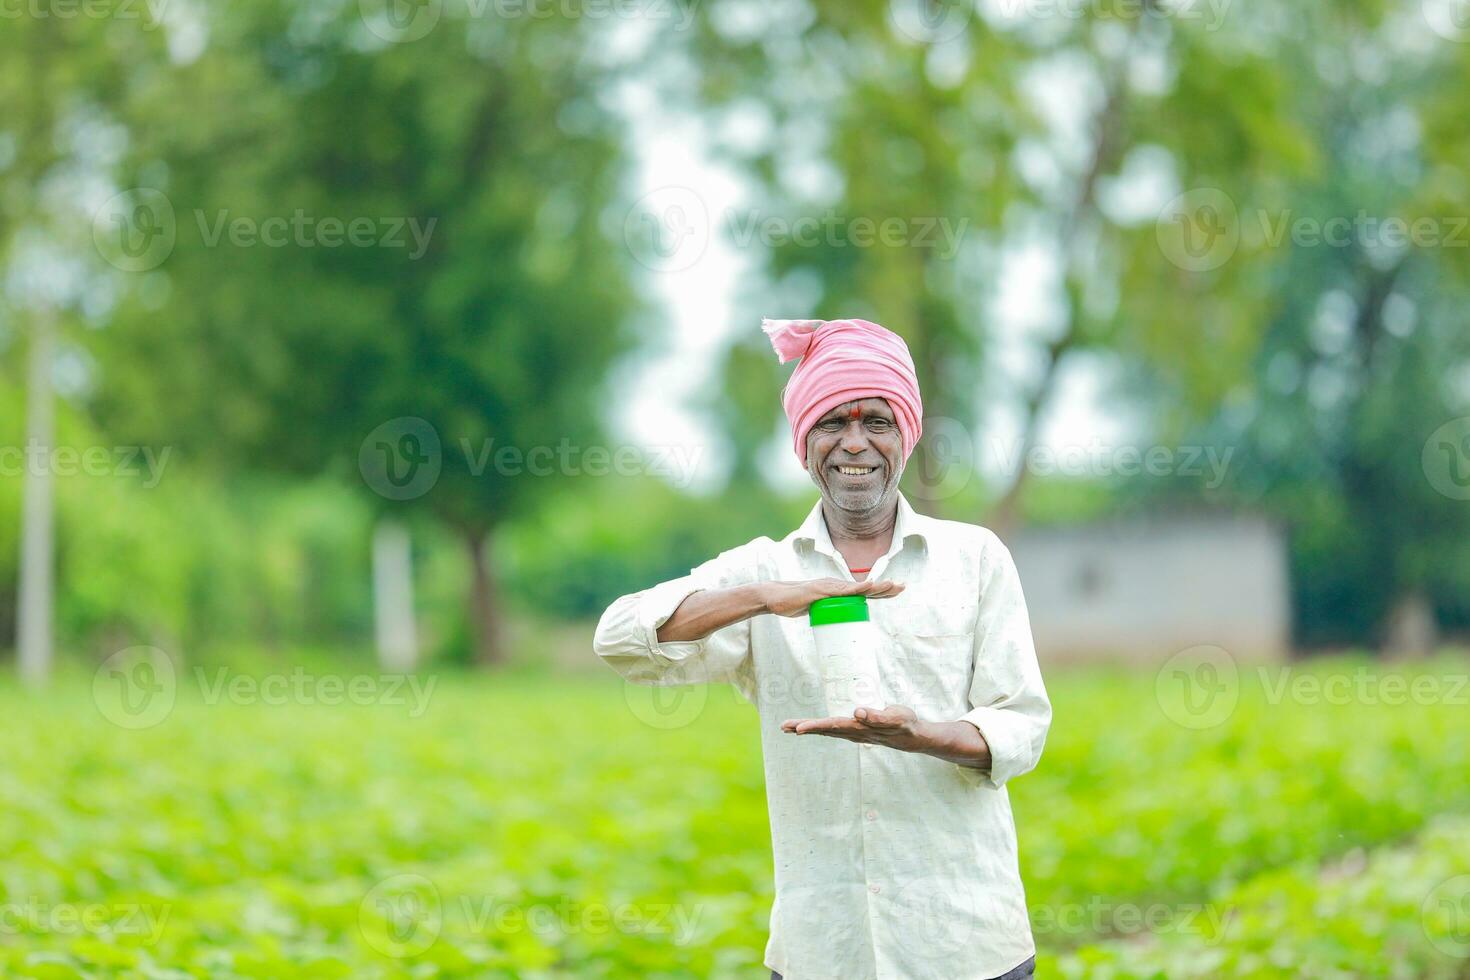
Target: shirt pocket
[(930, 673)]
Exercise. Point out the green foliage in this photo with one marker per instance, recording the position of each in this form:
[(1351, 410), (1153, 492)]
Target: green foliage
[(572, 560), (1368, 915), (269, 839)]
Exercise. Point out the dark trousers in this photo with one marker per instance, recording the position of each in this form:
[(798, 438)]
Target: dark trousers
[(1027, 969)]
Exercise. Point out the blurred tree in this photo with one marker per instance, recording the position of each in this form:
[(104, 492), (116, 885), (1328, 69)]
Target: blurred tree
[(390, 258), (57, 75), (1363, 365), (988, 136)]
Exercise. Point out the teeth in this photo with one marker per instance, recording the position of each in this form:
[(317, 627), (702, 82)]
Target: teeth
[(856, 470)]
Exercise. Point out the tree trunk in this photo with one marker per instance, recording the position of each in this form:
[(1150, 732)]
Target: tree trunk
[(393, 597), (484, 610), (1411, 630), (38, 530)]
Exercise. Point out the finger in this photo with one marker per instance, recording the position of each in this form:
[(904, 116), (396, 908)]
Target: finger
[(791, 724), (878, 717), (826, 725), (884, 589), (846, 736)]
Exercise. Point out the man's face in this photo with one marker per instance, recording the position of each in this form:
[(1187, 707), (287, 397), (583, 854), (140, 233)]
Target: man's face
[(855, 454)]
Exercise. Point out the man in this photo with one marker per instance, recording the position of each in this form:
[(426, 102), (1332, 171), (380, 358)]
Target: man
[(894, 844)]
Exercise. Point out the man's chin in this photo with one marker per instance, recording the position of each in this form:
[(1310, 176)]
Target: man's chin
[(857, 500)]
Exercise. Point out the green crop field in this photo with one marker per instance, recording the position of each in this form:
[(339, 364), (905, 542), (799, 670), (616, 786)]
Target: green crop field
[(1311, 821)]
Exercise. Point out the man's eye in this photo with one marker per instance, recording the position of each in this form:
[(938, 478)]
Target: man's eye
[(830, 425), (880, 425)]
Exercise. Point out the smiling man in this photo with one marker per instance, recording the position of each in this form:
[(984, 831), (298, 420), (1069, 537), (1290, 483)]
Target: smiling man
[(894, 844)]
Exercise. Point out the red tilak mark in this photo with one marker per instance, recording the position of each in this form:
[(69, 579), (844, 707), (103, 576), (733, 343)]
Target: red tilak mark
[(855, 413)]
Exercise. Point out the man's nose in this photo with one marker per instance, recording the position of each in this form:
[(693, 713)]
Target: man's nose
[(855, 438)]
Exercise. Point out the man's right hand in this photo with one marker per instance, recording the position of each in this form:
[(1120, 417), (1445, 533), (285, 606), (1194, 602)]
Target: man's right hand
[(705, 611), (795, 598)]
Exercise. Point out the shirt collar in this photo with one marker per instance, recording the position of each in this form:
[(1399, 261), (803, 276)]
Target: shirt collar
[(908, 525)]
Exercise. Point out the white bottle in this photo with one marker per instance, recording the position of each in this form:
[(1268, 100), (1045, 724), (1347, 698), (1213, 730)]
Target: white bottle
[(847, 652)]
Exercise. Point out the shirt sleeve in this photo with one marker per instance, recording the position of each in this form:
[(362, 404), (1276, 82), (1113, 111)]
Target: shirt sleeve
[(627, 635), (1008, 700)]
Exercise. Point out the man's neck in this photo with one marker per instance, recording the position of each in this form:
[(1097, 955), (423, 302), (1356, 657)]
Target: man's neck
[(862, 537)]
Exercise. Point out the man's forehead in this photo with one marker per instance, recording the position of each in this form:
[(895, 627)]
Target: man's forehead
[(861, 408)]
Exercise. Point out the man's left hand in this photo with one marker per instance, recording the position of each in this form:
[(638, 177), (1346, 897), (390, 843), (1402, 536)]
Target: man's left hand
[(898, 727)]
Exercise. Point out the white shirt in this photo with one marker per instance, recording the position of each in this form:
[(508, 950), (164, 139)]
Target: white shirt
[(889, 865)]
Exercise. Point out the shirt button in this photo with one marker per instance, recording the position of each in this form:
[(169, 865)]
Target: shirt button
[(872, 814), (874, 889)]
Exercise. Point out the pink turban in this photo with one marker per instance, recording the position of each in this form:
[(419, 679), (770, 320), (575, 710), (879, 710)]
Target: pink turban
[(842, 361)]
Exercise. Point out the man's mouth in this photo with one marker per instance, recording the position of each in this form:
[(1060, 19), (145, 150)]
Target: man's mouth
[(856, 470)]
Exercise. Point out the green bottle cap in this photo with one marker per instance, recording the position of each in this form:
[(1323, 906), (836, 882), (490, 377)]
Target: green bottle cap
[(839, 609)]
